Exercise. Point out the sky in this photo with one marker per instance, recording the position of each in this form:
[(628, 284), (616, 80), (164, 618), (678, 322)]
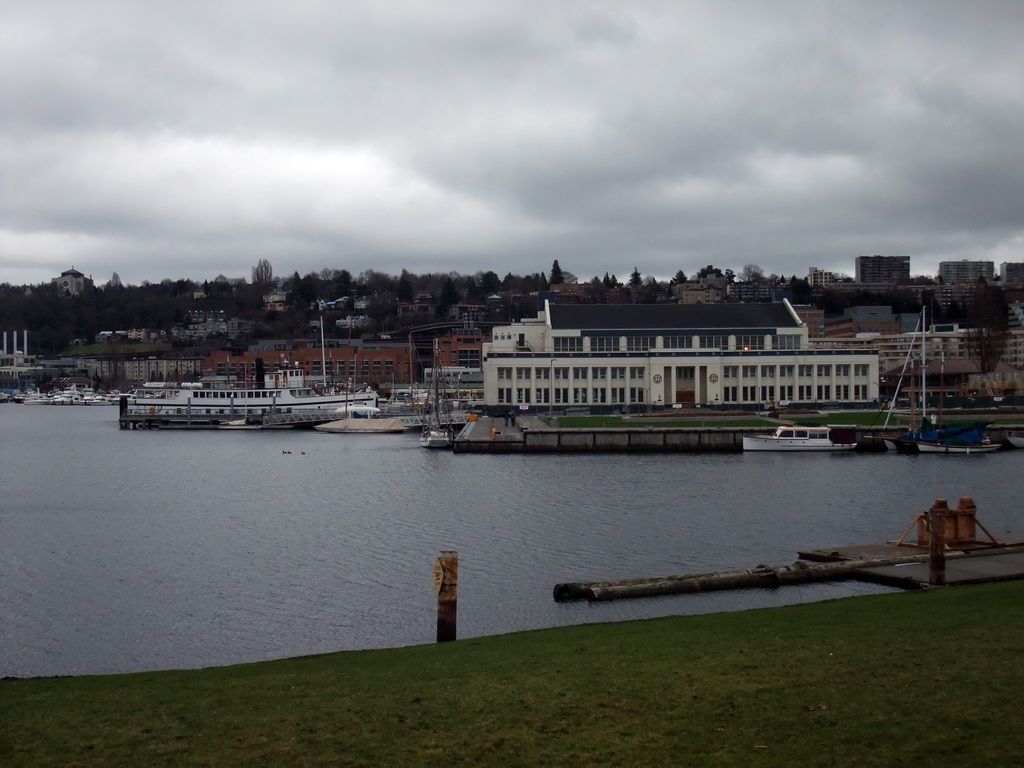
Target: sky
[(188, 139)]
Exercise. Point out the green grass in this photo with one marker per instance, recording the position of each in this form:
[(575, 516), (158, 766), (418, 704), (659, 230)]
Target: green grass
[(927, 679)]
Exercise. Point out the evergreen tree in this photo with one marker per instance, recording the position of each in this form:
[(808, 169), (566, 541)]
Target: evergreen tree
[(557, 278)]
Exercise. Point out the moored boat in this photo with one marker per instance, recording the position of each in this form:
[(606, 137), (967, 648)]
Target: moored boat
[(283, 391), (794, 437)]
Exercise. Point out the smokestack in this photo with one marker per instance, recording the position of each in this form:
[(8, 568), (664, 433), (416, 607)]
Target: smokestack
[(24, 349)]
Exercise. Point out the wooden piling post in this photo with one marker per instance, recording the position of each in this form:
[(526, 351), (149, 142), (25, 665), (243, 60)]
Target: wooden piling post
[(446, 582), (937, 543)]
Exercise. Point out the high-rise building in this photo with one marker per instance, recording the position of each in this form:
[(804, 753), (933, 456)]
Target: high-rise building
[(1011, 273), (891, 270), (960, 272)]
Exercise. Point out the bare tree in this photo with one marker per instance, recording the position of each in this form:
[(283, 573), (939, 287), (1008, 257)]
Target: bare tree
[(262, 274), (987, 316), (751, 273)]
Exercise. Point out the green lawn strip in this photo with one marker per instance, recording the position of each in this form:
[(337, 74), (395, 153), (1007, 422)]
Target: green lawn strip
[(929, 678)]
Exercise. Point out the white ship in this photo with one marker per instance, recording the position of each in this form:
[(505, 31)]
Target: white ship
[(283, 391)]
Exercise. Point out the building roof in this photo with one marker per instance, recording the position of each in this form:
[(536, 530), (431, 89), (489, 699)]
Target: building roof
[(678, 317)]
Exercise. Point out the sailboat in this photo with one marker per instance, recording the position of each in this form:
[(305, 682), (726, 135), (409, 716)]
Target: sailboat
[(931, 437), (436, 433)]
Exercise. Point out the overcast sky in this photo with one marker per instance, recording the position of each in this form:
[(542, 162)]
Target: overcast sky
[(191, 139)]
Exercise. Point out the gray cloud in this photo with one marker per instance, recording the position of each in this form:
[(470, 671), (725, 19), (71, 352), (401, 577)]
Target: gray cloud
[(164, 140)]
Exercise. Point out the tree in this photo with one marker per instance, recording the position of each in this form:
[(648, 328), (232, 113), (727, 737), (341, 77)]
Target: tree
[(986, 337), (449, 297), (115, 281), (262, 274), (557, 278), (635, 279), (709, 271), (751, 273), (680, 277), (405, 292)]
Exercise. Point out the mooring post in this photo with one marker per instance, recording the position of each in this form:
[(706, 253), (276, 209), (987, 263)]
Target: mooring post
[(937, 543), (446, 582)]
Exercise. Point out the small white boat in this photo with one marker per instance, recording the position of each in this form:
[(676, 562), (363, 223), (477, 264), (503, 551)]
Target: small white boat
[(930, 447), (1017, 441), (792, 437), (435, 438)]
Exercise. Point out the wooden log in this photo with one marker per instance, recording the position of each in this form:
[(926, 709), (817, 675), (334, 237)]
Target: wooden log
[(761, 576), (446, 582)]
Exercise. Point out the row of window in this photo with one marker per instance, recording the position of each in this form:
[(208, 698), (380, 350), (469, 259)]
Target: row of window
[(823, 371), (644, 343), (571, 395), (730, 394), (809, 393), (364, 365), (577, 372)]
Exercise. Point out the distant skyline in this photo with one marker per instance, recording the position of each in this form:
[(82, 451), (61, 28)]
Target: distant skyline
[(188, 140)]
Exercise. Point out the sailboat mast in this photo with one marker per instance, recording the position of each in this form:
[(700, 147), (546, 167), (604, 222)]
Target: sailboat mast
[(924, 367), (323, 353)]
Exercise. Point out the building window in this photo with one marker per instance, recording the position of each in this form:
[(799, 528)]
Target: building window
[(604, 343), (767, 371), (618, 395), (561, 396), (767, 394), (730, 371), (505, 395), (824, 392), (579, 395), (785, 392), (804, 392), (579, 373), (824, 371), (861, 369), (504, 374), (636, 394), (599, 373), (749, 371), (749, 342), (678, 342), (618, 374), (786, 371), (787, 341), (842, 371), (599, 395), (842, 391), (639, 343), (806, 371), (729, 394), (522, 373), (543, 396), (636, 373), (713, 342), (749, 394), (523, 395), (568, 344), (561, 373), (541, 374)]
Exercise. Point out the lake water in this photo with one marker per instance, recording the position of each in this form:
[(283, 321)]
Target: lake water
[(137, 550)]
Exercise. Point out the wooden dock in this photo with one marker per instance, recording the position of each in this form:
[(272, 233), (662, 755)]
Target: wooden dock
[(530, 434), (946, 551)]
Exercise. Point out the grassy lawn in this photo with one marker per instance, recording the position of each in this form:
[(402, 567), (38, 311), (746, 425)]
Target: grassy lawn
[(929, 678)]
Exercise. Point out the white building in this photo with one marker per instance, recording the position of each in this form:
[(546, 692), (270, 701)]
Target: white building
[(618, 357)]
